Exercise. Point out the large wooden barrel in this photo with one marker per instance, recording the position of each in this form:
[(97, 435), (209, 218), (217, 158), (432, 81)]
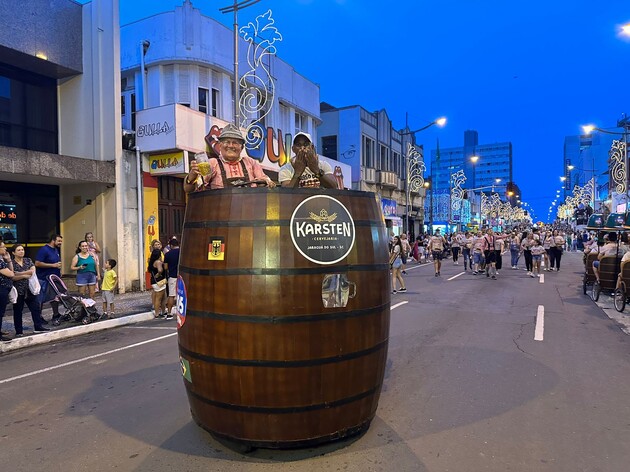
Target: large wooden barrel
[(270, 356)]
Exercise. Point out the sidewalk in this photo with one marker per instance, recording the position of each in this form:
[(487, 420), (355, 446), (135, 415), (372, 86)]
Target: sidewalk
[(131, 307)]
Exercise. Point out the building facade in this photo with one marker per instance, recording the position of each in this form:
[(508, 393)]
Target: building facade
[(377, 154), (586, 157), (62, 167), (186, 95), (487, 169)]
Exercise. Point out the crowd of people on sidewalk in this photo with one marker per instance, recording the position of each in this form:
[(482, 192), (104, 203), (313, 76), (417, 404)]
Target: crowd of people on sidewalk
[(24, 282), (483, 251)]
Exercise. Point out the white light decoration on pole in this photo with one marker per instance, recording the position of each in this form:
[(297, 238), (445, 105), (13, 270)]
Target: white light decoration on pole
[(457, 194), (258, 85), (415, 176), (618, 171)]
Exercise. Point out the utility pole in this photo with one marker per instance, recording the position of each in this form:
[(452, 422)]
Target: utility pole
[(234, 8)]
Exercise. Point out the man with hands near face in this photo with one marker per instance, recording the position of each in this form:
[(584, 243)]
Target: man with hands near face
[(305, 169)]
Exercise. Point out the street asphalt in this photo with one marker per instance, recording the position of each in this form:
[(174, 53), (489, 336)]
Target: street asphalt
[(514, 374)]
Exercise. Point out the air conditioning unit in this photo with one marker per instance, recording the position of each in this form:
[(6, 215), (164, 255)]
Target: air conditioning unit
[(128, 140)]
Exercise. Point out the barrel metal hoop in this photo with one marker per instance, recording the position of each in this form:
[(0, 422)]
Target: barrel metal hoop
[(283, 364), (285, 271), (294, 191), (287, 410), (276, 319), (259, 224)]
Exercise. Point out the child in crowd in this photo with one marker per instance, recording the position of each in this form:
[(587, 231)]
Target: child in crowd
[(110, 280), (537, 253)]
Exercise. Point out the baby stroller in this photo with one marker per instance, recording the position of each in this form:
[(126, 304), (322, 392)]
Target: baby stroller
[(76, 307)]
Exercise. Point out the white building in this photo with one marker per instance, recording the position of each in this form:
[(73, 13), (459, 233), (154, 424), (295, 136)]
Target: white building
[(188, 92)]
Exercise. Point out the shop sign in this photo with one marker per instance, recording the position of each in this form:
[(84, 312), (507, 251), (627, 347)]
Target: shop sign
[(389, 207), (8, 215), (322, 230), (165, 164)]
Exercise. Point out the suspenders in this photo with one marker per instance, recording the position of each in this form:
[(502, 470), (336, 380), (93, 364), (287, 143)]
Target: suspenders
[(228, 182)]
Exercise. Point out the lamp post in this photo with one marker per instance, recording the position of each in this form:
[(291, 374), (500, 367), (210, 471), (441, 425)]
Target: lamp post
[(234, 8), (474, 160), (413, 155), (428, 185)]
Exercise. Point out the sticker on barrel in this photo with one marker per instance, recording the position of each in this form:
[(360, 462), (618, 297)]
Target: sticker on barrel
[(322, 230), (181, 301), (216, 249)]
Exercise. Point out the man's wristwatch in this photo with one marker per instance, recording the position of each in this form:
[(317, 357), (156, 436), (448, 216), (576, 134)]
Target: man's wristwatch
[(189, 182)]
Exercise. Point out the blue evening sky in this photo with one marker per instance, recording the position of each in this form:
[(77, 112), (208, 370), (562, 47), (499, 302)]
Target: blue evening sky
[(530, 72)]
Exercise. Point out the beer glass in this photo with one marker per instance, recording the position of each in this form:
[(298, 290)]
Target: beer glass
[(203, 163)]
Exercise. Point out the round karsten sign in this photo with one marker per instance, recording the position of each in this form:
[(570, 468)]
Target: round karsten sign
[(322, 230), (181, 301)]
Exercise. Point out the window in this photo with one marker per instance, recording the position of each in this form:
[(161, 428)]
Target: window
[(215, 102), (383, 164), (300, 122), (123, 108), (368, 152), (284, 118), (28, 111), (329, 146), (203, 100), (133, 111)]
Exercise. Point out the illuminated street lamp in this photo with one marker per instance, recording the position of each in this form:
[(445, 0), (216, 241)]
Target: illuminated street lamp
[(563, 178), (415, 167)]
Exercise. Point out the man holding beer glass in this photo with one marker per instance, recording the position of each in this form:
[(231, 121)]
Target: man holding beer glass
[(229, 169)]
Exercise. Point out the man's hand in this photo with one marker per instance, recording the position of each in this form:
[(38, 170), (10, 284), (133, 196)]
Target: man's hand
[(194, 171), (299, 164), (311, 160)]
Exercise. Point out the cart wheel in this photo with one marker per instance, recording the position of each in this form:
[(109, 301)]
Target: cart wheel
[(620, 298), (595, 291), (85, 320)]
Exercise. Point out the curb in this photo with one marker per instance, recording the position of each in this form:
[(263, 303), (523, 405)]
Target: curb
[(65, 333)]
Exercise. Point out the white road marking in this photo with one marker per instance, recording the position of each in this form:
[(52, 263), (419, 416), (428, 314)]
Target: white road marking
[(152, 327), (83, 359), (542, 278), (417, 266), (540, 324), (455, 276), (398, 304)]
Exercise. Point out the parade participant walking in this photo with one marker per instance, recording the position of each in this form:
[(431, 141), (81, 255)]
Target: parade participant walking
[(171, 261), (466, 248), (48, 262), (456, 244), (88, 270), (526, 245), (556, 248), (477, 248), (395, 262), (489, 241), (23, 269), (499, 248), (229, 169), (537, 250), (406, 250), (436, 247), (6, 282), (545, 240), (515, 250), (304, 169)]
